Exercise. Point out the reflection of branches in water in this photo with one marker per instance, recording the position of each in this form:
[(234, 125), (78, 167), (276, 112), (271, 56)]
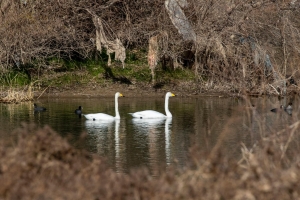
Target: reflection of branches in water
[(249, 123)]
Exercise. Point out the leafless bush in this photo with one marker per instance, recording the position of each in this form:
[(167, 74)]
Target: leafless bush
[(243, 42), (42, 29)]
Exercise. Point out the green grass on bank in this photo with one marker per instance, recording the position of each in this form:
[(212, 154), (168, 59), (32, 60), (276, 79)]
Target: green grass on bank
[(14, 78), (60, 72)]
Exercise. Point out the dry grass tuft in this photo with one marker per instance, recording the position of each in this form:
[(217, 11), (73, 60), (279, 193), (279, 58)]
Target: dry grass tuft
[(15, 95)]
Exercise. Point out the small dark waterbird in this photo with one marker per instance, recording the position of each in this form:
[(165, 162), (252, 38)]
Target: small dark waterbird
[(78, 111), (38, 108), (288, 109), (277, 109)]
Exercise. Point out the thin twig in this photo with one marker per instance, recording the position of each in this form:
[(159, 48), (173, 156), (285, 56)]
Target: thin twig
[(293, 127), (43, 91), (274, 89)]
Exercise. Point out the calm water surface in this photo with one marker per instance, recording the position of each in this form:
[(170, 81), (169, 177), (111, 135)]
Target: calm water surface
[(128, 143)]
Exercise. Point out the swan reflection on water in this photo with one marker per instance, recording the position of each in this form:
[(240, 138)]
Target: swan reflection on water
[(101, 133), (154, 130), (152, 140), (168, 124), (148, 123), (98, 124)]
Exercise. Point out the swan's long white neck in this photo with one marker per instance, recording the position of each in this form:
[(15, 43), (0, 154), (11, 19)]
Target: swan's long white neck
[(168, 113), (117, 106)]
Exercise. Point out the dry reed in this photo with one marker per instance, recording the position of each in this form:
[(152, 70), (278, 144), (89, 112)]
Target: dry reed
[(16, 95)]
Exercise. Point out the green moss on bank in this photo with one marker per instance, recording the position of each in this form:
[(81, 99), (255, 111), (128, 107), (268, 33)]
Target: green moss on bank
[(61, 72)]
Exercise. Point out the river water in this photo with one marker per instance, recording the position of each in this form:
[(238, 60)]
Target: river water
[(129, 143)]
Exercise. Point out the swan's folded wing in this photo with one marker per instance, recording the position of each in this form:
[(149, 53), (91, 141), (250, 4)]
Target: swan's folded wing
[(148, 114), (98, 116)]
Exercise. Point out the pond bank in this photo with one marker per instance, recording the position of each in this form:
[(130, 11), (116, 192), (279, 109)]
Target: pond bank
[(95, 90), (182, 89)]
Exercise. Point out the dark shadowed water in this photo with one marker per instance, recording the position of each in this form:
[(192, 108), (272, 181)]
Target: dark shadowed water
[(128, 143)]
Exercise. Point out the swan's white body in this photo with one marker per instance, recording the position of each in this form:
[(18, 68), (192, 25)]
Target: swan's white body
[(103, 116), (152, 114)]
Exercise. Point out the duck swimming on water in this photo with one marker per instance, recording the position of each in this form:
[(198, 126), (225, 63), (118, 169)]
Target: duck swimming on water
[(287, 109), (37, 108), (78, 111)]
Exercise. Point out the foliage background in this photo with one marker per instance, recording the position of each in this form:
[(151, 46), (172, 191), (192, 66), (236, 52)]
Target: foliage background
[(34, 33)]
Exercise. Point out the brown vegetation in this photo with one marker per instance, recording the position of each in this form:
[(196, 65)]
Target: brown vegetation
[(250, 45), (42, 165), (14, 95), (242, 44)]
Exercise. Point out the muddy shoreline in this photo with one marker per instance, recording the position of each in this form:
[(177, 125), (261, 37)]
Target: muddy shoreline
[(145, 90)]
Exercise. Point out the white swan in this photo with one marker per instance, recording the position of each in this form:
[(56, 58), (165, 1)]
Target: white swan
[(103, 116), (152, 114)]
